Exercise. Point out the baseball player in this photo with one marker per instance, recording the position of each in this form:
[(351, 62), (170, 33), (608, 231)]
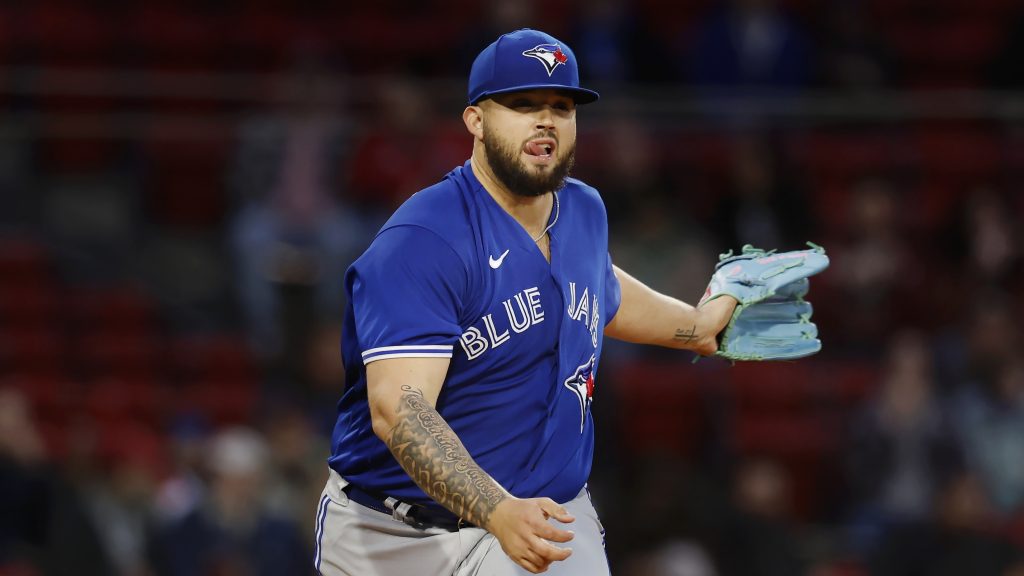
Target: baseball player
[(472, 342)]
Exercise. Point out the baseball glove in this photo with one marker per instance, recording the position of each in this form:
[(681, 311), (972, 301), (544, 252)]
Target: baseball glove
[(772, 320)]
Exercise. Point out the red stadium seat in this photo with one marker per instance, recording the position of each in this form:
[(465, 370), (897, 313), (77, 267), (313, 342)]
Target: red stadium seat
[(50, 395), (785, 386), (120, 308), (68, 33), (23, 261), (170, 36), (219, 357), (113, 399), (660, 407), (29, 304), (32, 349), (125, 354), (185, 184), (849, 383), (136, 445), (224, 403)]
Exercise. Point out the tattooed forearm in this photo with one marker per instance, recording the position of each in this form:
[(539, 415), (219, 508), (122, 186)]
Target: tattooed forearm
[(436, 460), (686, 336)]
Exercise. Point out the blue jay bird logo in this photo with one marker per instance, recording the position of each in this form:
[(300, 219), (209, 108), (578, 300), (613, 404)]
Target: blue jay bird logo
[(550, 55), (582, 384)]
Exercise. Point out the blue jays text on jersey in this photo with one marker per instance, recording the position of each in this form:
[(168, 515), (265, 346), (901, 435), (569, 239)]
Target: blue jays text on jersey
[(452, 275)]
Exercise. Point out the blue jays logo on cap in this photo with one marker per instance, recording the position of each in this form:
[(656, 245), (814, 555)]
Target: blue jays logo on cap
[(550, 55), (507, 65)]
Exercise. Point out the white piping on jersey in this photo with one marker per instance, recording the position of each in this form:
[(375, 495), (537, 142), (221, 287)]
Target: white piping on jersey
[(447, 347), (407, 355)]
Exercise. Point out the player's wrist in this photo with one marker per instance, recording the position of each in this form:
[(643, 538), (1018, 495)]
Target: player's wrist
[(714, 314), (498, 514)]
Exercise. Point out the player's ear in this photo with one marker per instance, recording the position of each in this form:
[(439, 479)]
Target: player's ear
[(473, 117)]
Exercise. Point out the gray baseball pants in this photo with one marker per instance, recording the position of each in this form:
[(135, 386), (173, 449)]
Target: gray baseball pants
[(353, 540)]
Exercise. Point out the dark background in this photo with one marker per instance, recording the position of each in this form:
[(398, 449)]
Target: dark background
[(182, 185)]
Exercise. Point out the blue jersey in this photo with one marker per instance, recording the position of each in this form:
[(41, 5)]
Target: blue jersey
[(453, 275)]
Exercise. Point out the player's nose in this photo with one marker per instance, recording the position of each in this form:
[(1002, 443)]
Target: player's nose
[(545, 118)]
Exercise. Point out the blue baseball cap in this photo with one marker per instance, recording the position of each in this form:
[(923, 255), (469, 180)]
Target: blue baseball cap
[(526, 59)]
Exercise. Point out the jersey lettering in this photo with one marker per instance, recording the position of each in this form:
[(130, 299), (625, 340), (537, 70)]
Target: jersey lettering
[(536, 314), (518, 326), (530, 312), (473, 343), (496, 339), (582, 311)]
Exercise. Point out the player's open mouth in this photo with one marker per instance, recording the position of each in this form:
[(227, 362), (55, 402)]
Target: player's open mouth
[(541, 149)]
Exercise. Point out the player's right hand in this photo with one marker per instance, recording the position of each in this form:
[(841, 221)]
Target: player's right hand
[(521, 526)]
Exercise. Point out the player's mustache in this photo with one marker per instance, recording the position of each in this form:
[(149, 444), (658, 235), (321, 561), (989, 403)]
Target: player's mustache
[(546, 134)]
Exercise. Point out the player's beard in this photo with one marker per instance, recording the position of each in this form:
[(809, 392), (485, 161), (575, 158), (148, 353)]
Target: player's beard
[(510, 170)]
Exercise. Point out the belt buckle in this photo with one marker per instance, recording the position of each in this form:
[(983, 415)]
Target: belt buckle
[(400, 511)]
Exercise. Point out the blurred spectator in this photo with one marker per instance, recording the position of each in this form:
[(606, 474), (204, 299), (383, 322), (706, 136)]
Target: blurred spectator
[(992, 339), (762, 204), (120, 496), (959, 542), (650, 223), (326, 374), (673, 518), (748, 44), (1004, 71), (853, 57), (403, 146), (184, 490), (613, 45), (629, 165), (990, 421), (875, 267), (292, 228), (233, 533), (676, 558), (901, 447), (759, 539), (989, 241), (497, 17), (44, 526), (298, 470)]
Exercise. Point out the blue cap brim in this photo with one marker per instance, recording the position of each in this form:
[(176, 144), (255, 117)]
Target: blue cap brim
[(579, 95)]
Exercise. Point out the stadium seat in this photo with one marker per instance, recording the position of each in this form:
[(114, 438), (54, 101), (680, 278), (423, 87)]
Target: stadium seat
[(660, 407), (223, 403), (224, 356), (116, 399), (126, 354), (24, 260), (32, 349), (120, 308)]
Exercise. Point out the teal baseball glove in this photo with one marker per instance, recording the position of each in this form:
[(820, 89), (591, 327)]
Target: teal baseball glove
[(772, 320)]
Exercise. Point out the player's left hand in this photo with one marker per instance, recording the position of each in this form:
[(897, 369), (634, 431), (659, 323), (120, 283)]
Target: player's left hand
[(715, 316), (772, 320)]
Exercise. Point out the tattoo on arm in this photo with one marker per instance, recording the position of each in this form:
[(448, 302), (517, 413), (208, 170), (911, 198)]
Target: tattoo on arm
[(686, 336), (434, 457)]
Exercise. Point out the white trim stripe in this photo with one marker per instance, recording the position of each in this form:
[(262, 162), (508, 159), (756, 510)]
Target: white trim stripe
[(407, 355), (444, 347), (321, 516)]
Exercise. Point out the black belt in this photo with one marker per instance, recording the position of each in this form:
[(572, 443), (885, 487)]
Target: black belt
[(412, 514)]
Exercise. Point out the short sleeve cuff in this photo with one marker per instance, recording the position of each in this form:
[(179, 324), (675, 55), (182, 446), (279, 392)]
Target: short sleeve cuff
[(425, 351)]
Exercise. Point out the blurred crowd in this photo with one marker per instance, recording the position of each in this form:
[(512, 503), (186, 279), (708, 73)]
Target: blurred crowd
[(172, 256)]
